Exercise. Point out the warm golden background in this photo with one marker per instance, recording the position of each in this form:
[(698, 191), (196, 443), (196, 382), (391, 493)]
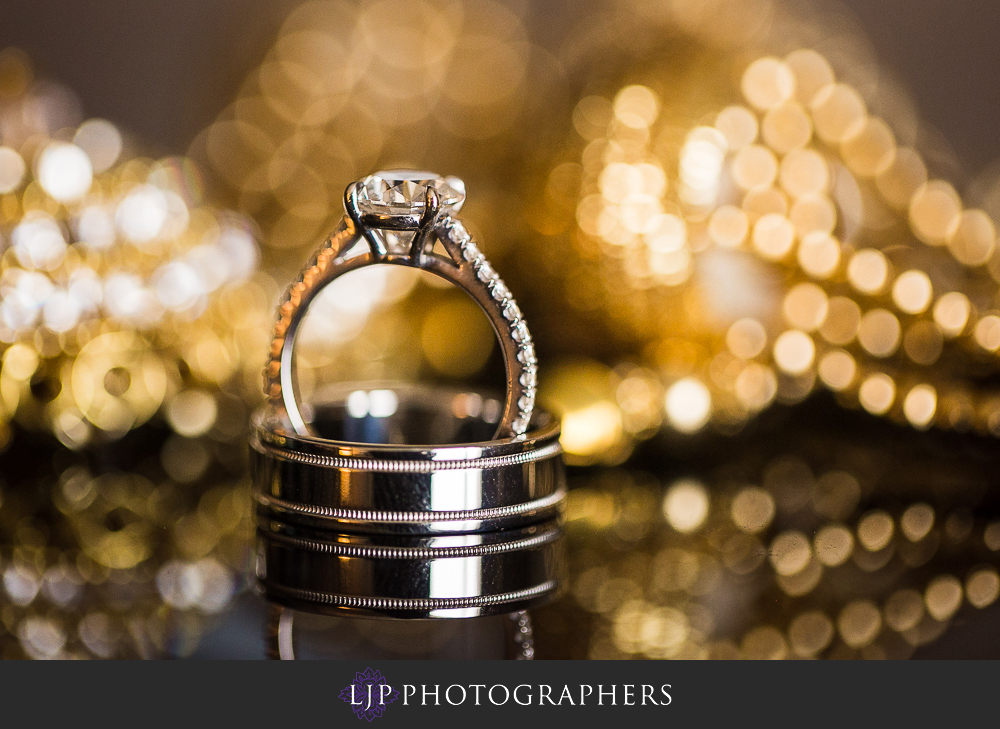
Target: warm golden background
[(755, 242)]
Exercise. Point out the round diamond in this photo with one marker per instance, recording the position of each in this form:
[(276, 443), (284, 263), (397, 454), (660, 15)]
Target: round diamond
[(403, 192)]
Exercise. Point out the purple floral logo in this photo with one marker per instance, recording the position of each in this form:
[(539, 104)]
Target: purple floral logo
[(369, 694)]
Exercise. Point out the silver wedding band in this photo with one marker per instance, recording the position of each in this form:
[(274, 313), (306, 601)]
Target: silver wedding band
[(417, 489), (462, 530)]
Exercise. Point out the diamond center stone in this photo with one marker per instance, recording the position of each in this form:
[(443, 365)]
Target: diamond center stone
[(403, 192)]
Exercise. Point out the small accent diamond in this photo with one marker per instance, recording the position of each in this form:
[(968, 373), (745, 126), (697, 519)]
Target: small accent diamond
[(458, 232), (520, 332), (469, 251)]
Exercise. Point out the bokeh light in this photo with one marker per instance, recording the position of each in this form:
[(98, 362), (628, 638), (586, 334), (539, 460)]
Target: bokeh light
[(709, 226)]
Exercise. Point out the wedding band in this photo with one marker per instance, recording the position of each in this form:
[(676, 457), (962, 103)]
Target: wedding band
[(395, 217), (409, 576), (395, 529), (381, 487)]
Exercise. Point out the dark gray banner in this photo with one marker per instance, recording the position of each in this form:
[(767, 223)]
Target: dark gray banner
[(508, 694)]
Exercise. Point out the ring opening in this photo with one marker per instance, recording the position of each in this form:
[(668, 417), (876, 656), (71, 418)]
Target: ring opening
[(392, 323)]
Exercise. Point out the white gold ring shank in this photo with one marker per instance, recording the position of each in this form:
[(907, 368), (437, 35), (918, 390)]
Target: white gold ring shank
[(420, 213)]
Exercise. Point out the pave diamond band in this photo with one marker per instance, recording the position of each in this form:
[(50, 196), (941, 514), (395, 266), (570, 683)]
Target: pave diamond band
[(400, 214), (455, 232)]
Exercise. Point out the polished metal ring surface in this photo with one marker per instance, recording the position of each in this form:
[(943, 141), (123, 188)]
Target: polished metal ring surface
[(409, 576), (395, 217), (390, 487), (518, 631), (394, 528)]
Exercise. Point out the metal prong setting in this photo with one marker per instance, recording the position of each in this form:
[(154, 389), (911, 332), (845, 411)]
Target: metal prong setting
[(432, 208), (362, 227), (369, 224)]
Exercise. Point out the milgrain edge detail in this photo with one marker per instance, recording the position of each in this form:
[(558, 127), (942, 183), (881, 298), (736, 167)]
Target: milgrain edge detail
[(405, 466), (412, 517), (404, 603), (420, 553)]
